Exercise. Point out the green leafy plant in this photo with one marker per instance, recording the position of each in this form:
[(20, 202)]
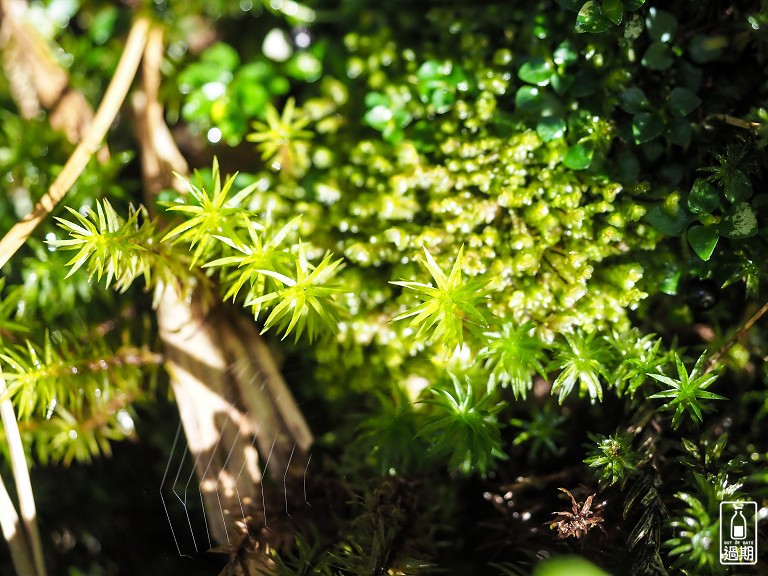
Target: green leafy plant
[(613, 457), (305, 300), (640, 356), (543, 431), (495, 233), (449, 308), (210, 214), (513, 355), (696, 542), (119, 250), (582, 360), (223, 94), (687, 392), (282, 140), (463, 424)]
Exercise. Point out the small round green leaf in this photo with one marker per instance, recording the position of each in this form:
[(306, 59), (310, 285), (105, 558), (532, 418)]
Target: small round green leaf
[(378, 117), (304, 66), (432, 70), (740, 221), (682, 102), (661, 25), (646, 126), (703, 240), (670, 280), (706, 48), (550, 128), (737, 186), (652, 150), (565, 53), (251, 97), (704, 198), (585, 83), (613, 10), (657, 57), (679, 131), (633, 27), (536, 71), (579, 156), (591, 18), (442, 100), (570, 565), (438, 83), (528, 98), (561, 83), (634, 100), (673, 224), (221, 55)]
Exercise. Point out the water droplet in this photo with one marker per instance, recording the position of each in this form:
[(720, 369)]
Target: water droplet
[(214, 135), (277, 45)]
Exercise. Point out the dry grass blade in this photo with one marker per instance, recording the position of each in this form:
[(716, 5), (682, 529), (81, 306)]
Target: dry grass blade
[(36, 79), (18, 543), (89, 145), (25, 545), (234, 404)]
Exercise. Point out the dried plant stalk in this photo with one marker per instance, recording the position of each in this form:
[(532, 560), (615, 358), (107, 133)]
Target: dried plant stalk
[(88, 146), (23, 540), (36, 79), (233, 402)]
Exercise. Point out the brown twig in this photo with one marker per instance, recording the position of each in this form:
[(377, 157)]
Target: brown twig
[(736, 337), (738, 122), (227, 385), (110, 105), (26, 547)]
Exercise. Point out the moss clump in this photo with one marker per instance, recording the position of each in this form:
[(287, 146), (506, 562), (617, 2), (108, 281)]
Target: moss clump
[(512, 252)]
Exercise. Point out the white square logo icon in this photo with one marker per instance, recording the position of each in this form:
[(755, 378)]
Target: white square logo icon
[(738, 533)]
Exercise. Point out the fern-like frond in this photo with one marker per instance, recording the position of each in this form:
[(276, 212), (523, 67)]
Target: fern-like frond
[(64, 371), (124, 250)]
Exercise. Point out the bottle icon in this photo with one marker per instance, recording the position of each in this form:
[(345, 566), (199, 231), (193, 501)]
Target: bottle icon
[(738, 525)]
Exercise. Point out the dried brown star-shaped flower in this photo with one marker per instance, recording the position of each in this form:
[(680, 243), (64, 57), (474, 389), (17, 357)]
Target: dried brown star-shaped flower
[(579, 521)]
